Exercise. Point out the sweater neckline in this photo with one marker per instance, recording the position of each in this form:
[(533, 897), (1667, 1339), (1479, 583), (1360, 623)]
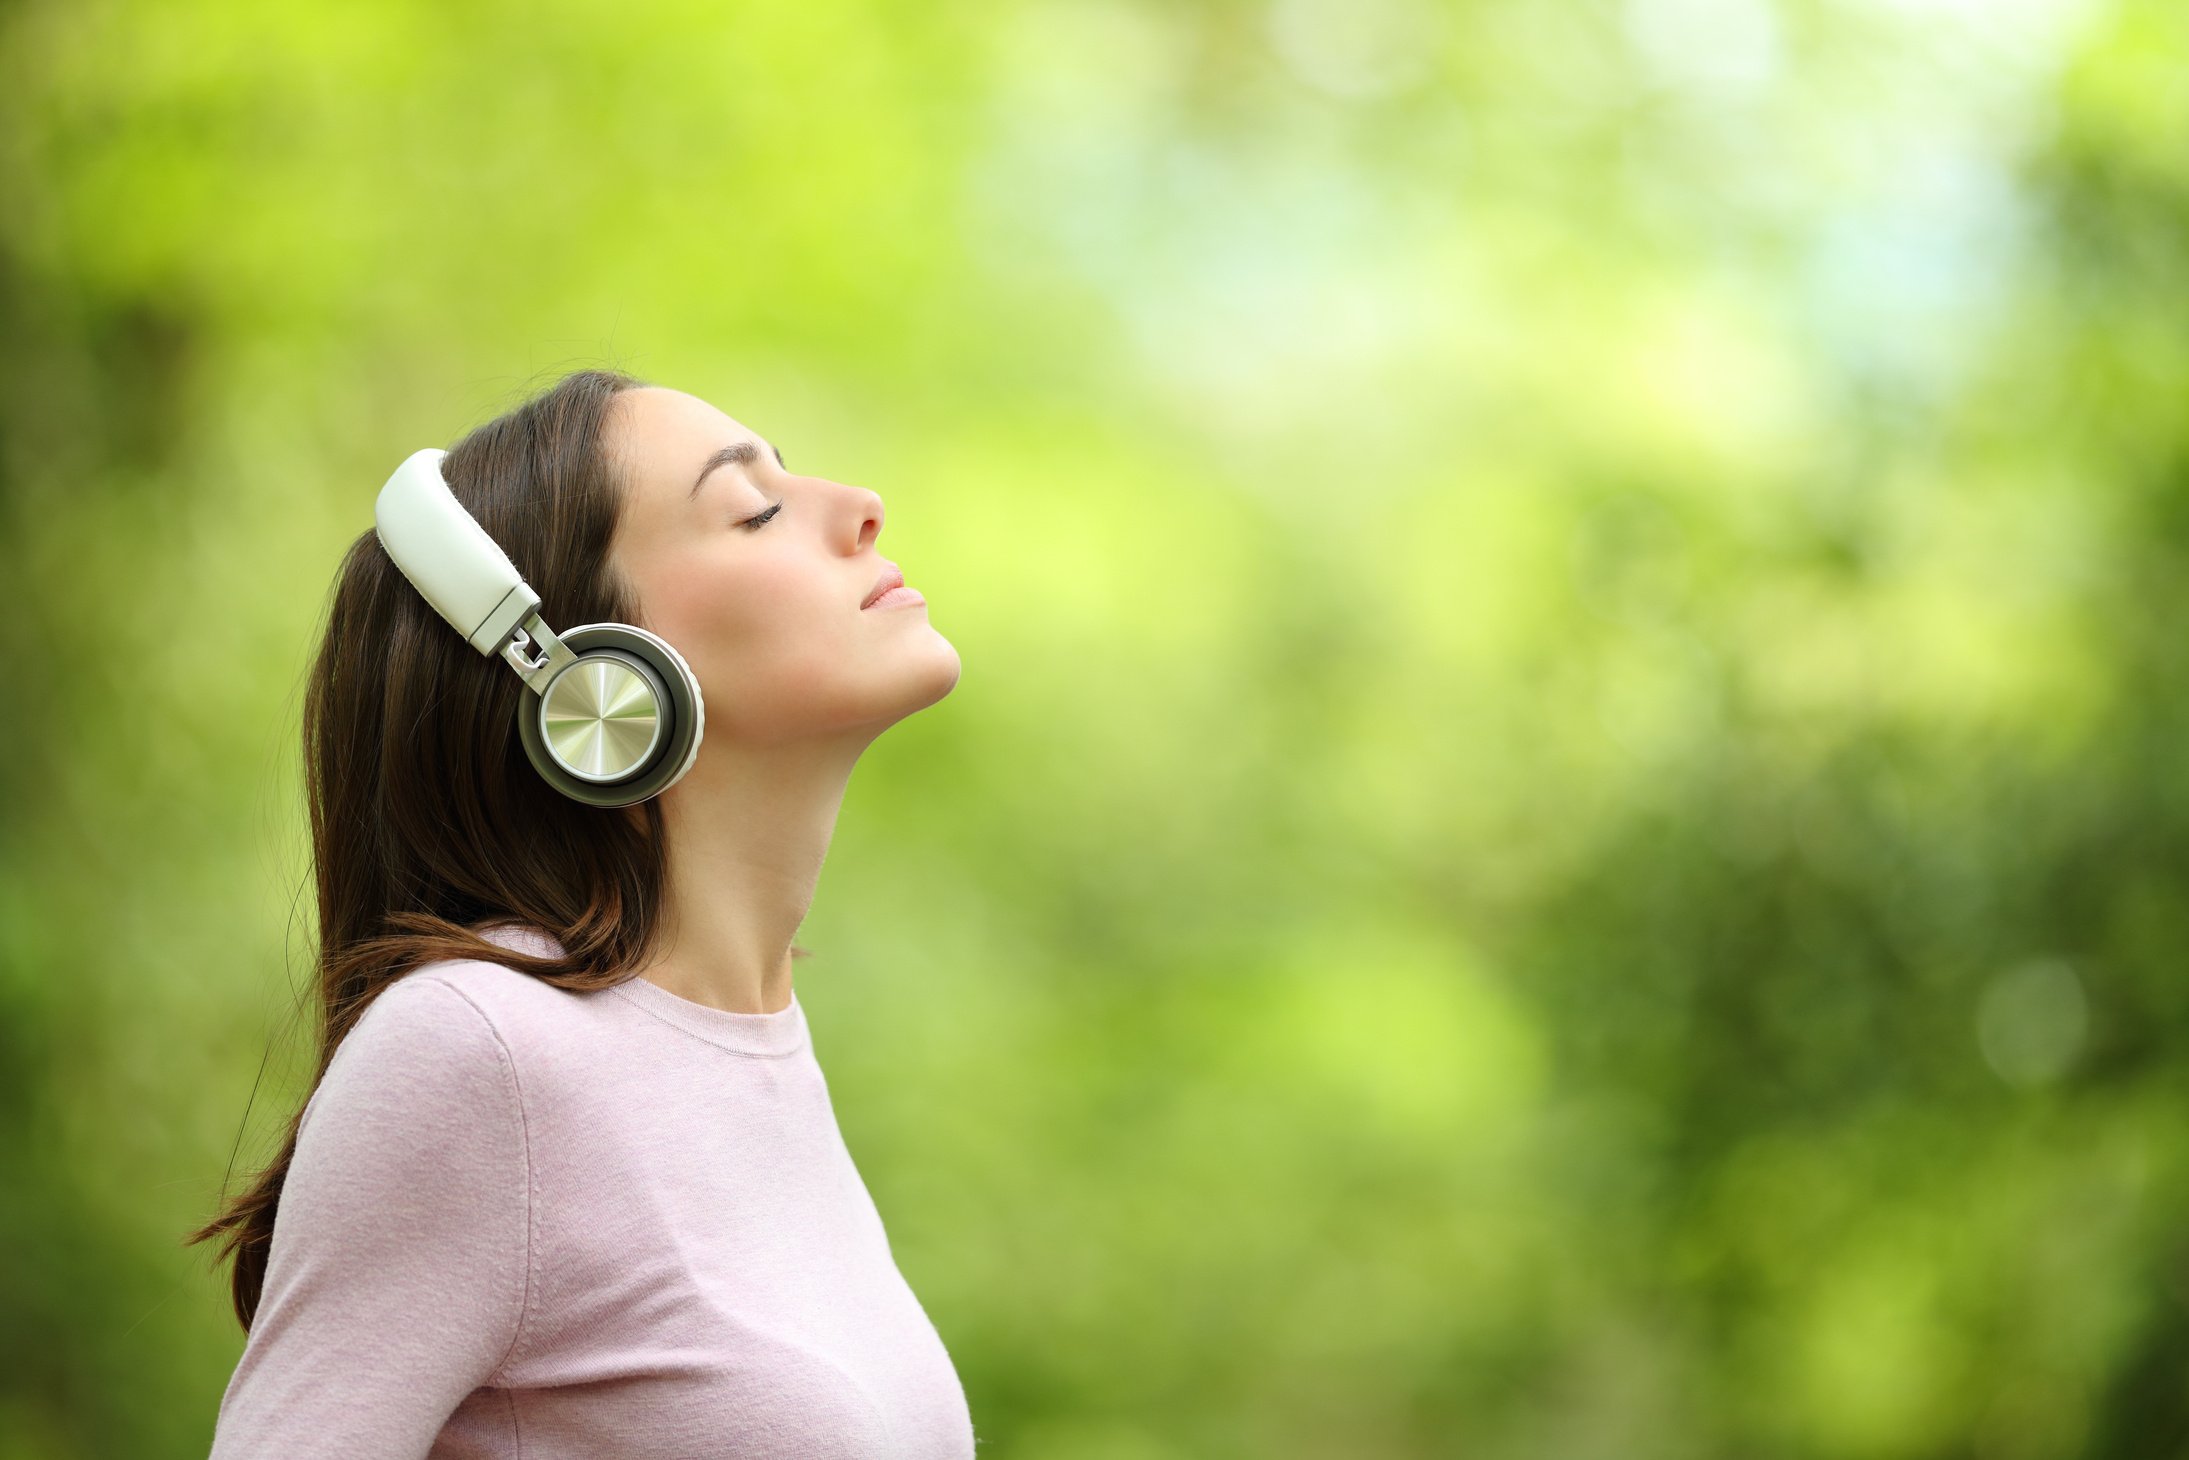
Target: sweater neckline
[(783, 1032)]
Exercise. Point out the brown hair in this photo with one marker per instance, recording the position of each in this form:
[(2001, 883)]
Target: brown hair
[(427, 820)]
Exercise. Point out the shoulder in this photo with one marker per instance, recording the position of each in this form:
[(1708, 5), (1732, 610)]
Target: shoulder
[(422, 1038), (422, 1095), (414, 1147), (456, 1008), (516, 1004), (507, 1000), (474, 1011)]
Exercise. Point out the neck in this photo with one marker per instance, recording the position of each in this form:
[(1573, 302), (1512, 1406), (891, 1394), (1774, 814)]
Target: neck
[(748, 829)]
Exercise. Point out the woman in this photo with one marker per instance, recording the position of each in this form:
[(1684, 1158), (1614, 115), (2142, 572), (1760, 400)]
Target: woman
[(570, 1183)]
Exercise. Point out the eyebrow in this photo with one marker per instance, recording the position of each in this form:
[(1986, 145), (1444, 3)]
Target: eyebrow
[(744, 453)]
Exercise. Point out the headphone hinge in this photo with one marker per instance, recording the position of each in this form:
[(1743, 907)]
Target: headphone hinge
[(554, 655)]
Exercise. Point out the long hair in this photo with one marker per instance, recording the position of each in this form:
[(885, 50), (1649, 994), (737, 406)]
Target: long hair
[(427, 819)]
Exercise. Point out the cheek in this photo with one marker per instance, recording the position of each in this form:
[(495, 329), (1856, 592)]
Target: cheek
[(766, 626)]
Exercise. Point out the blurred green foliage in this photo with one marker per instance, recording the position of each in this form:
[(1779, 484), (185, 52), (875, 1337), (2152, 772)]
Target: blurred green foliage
[(1566, 828)]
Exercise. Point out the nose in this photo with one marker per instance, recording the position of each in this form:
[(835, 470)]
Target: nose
[(871, 516)]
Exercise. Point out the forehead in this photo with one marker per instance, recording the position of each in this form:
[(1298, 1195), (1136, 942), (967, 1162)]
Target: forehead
[(664, 435)]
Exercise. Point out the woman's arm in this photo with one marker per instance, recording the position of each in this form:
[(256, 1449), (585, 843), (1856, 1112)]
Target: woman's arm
[(398, 1276)]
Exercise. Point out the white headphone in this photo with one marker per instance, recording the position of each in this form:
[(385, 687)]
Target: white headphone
[(611, 713)]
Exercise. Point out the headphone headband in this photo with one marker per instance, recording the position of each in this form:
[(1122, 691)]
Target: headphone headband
[(447, 555)]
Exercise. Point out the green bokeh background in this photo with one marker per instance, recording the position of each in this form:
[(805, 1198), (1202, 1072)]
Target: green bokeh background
[(1566, 831)]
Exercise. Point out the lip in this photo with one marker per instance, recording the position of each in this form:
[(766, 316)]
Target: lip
[(892, 577)]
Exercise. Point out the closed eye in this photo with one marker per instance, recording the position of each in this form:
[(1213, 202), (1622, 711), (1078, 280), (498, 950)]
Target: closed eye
[(752, 523)]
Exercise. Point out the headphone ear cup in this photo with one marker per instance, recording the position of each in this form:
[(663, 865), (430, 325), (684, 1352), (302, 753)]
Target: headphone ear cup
[(599, 709)]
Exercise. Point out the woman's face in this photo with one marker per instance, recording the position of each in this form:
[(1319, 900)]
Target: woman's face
[(756, 578)]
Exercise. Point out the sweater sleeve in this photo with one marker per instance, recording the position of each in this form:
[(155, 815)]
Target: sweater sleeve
[(398, 1274)]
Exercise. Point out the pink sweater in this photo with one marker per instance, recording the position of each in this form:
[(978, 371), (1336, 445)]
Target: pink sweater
[(523, 1222)]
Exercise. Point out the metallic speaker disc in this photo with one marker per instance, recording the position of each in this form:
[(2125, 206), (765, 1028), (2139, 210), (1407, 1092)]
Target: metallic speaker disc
[(603, 716)]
